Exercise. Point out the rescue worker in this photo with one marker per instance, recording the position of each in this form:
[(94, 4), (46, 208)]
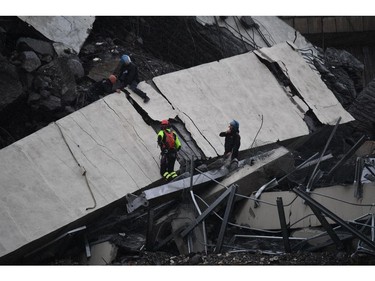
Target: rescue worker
[(127, 73), (169, 144), (101, 88), (232, 140)]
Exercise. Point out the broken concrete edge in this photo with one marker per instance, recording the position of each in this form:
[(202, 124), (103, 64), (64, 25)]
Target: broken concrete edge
[(189, 147), (30, 253), (180, 128), (72, 31), (301, 106), (172, 188), (217, 170)]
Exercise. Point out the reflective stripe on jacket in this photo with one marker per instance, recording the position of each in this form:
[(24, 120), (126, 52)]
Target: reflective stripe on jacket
[(161, 140)]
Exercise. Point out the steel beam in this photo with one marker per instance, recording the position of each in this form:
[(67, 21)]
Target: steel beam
[(227, 213), (304, 195), (184, 183), (327, 227), (358, 178), (284, 228), (87, 247), (69, 233), (347, 155), (207, 212), (274, 182), (311, 180), (150, 227)]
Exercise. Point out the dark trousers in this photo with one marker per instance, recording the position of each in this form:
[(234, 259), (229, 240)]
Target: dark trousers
[(133, 87), (167, 162)]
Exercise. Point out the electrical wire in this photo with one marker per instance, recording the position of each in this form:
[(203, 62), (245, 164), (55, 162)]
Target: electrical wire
[(252, 44), (239, 32), (244, 196), (203, 222), (84, 173), (220, 37), (301, 219), (251, 37), (264, 28), (343, 201), (233, 224), (260, 127)]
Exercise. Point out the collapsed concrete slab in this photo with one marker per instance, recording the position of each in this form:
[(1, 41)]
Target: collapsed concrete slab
[(159, 108), (310, 86), (260, 31), (243, 88), (73, 167), (72, 31), (240, 88)]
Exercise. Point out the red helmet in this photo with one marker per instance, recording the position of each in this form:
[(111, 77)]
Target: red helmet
[(164, 122)]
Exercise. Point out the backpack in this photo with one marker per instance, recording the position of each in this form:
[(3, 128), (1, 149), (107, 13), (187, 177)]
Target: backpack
[(169, 140)]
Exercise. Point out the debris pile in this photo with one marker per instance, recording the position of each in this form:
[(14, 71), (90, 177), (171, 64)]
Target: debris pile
[(279, 203)]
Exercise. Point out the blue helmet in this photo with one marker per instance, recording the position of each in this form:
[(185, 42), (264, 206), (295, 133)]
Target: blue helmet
[(235, 124), (125, 59)]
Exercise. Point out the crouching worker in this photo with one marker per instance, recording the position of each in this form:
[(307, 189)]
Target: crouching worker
[(232, 141), (169, 144), (101, 88), (127, 73)]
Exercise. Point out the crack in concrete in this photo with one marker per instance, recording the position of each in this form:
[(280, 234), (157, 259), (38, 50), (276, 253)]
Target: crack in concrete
[(70, 23), (87, 132), (104, 151), (282, 75), (135, 131), (179, 110), (55, 154), (200, 132), (110, 155)]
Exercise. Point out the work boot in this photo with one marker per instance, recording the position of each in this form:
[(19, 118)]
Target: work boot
[(146, 99), (169, 176), (172, 175)]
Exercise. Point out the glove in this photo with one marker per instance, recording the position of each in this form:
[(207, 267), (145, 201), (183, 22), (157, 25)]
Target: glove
[(165, 151)]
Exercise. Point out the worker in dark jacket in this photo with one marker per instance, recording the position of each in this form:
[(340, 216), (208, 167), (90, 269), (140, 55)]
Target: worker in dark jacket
[(169, 144), (127, 73), (232, 140), (101, 88)]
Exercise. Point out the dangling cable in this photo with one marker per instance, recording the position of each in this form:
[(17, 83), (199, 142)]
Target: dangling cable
[(261, 125), (79, 165)]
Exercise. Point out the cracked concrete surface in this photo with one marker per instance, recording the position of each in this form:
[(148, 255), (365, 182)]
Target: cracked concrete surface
[(42, 185), (309, 85)]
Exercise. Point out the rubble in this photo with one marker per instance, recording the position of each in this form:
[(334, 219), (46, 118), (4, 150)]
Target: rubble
[(196, 218)]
